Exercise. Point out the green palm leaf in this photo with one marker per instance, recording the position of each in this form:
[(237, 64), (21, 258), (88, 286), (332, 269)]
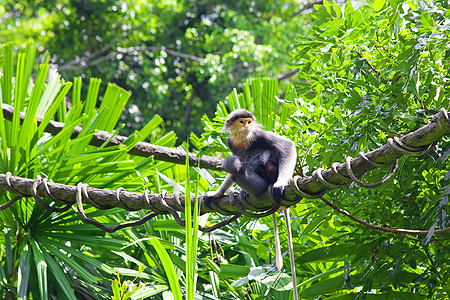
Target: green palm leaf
[(58, 248)]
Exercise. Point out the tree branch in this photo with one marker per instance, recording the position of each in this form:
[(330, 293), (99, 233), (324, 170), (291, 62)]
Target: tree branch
[(141, 149), (288, 74)]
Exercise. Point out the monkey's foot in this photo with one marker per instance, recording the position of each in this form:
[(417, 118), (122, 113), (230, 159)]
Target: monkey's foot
[(277, 192), (244, 194), (210, 197)]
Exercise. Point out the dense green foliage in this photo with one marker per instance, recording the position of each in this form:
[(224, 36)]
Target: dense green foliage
[(179, 58), (366, 73)]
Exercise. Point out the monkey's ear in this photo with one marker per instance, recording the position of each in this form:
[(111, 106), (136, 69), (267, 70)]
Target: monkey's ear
[(227, 125)]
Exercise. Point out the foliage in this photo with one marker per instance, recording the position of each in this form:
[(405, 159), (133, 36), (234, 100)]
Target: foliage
[(179, 58), (127, 289), (48, 253), (366, 73), (191, 235)]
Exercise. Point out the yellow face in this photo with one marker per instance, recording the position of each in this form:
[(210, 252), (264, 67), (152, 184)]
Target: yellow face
[(242, 123), (241, 132)]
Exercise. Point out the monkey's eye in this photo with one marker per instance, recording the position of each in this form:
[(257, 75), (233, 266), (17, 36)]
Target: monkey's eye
[(241, 121), (249, 122)]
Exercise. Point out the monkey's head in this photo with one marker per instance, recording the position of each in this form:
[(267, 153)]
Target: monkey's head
[(240, 123), (232, 164)]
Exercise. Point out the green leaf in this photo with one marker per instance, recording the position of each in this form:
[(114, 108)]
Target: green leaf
[(50, 93), (62, 136), (338, 112), (412, 4), (166, 225), (279, 282), (56, 103), (24, 271), (323, 287), (233, 271), (55, 250), (90, 240), (8, 250), (149, 291), (389, 295), (332, 252), (41, 268), (60, 276), (168, 268), (150, 127), (92, 95), (378, 4), (426, 20), (7, 78), (114, 101), (116, 290)]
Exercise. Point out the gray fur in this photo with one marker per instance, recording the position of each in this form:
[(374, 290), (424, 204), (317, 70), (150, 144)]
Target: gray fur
[(244, 173)]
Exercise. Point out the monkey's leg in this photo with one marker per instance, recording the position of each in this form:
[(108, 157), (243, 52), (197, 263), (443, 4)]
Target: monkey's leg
[(291, 251), (278, 258), (226, 184)]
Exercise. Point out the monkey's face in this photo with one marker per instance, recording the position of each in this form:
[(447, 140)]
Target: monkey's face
[(241, 125)]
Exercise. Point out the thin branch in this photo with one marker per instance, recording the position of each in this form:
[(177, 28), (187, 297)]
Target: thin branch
[(184, 55), (74, 64), (287, 74), (367, 62), (380, 228), (83, 62), (307, 8)]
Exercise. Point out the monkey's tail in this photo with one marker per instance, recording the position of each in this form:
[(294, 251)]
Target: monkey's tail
[(278, 257), (287, 216)]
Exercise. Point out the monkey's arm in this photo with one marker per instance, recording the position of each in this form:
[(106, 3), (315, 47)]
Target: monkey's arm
[(226, 184), (286, 165), (286, 162)]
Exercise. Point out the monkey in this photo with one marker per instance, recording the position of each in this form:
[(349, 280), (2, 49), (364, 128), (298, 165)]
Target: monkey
[(260, 158), (247, 139)]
